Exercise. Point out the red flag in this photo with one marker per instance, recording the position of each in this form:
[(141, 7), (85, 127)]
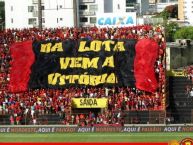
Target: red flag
[(144, 71), (22, 59)]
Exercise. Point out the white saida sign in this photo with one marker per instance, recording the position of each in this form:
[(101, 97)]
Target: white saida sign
[(116, 19)]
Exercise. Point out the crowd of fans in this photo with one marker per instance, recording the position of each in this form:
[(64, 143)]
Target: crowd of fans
[(33, 103), (189, 72), (189, 87)]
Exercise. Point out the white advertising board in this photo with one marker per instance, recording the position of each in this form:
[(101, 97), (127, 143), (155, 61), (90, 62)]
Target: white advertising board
[(116, 19)]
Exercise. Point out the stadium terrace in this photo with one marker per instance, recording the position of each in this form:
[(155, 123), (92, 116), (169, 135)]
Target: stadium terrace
[(46, 105)]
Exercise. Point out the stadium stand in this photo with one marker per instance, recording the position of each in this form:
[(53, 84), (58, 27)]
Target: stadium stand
[(181, 103), (42, 106)]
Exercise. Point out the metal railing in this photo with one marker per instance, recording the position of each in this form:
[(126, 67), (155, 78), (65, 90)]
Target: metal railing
[(128, 117)]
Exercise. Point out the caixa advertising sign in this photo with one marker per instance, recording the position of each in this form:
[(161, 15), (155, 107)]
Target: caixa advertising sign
[(116, 19)]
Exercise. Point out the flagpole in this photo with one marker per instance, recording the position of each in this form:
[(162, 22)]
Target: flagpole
[(40, 14)]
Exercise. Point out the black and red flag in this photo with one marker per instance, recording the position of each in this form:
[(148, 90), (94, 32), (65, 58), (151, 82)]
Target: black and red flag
[(59, 64)]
